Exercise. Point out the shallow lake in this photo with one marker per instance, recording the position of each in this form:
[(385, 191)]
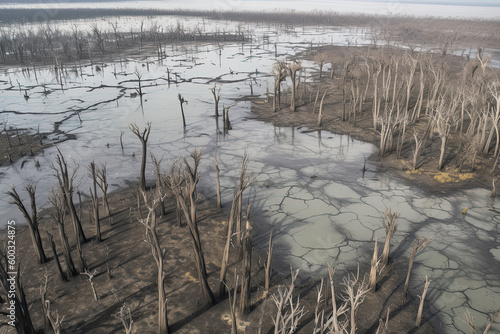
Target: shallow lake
[(308, 184)]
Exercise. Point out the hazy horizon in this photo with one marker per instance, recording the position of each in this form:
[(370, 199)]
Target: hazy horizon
[(483, 9)]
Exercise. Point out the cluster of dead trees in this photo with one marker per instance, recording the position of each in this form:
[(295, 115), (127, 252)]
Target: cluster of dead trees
[(63, 209), (412, 99), (281, 70), (45, 43), (181, 182)]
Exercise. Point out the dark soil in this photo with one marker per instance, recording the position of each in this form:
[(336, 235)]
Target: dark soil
[(126, 275)]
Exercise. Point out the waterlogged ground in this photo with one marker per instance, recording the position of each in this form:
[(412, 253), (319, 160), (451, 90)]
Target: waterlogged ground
[(308, 185)]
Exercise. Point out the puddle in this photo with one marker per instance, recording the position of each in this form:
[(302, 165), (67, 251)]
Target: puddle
[(309, 184)]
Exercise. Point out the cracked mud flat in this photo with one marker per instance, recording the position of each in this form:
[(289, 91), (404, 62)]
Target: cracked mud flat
[(309, 184)]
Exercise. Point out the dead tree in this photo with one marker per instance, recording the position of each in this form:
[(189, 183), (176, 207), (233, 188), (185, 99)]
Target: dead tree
[(418, 245), (159, 184), (438, 76), (289, 311), (244, 183), (373, 270), (60, 270), (317, 314), (19, 315), (57, 213), (443, 121), (292, 69), (421, 304), (345, 76), (216, 94), (125, 317), (246, 268), (183, 180), (355, 292), (143, 137), (95, 201), (470, 321), (268, 269), (390, 222), (279, 73), (90, 275), (32, 220), (121, 139), (416, 150), (239, 209), (337, 323), (103, 185), (54, 323), (227, 123), (232, 305), (219, 197), (388, 125), (138, 74), (320, 114), (377, 98), (494, 89), (66, 186), (81, 264), (484, 62), (159, 255), (182, 101), (382, 326), (320, 59)]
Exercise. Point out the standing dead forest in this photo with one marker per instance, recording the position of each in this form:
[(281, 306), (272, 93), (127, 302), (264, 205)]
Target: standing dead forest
[(348, 185)]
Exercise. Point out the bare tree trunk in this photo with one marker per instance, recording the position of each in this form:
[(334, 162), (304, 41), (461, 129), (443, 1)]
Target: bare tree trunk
[(183, 181), (182, 101), (103, 184), (91, 276), (418, 245), (293, 68), (389, 221), (57, 213), (444, 141), (95, 202), (373, 271), (244, 182), (143, 137), (32, 220), (51, 323), (279, 73), (66, 185), (216, 94), (159, 184), (320, 114), (268, 269), (246, 271), (56, 257), (159, 255), (232, 305), (416, 152), (219, 197), (421, 304)]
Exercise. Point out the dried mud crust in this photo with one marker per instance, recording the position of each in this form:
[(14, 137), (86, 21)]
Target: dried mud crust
[(426, 176), (126, 275)]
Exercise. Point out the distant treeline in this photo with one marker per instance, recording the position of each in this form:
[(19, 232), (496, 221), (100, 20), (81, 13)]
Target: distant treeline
[(407, 28)]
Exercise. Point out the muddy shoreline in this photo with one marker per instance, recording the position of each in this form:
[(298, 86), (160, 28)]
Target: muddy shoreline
[(426, 177)]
